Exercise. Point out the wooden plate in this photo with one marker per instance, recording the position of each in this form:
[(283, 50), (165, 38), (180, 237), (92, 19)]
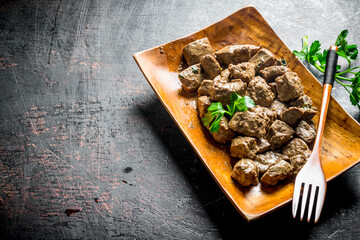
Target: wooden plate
[(340, 148)]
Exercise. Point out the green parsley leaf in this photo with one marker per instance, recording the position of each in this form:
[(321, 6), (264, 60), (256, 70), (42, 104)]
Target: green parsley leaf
[(195, 70)]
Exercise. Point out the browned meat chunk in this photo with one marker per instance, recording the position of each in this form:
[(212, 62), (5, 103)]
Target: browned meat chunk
[(223, 77), (309, 113), (263, 145), (303, 101), (260, 92), (244, 71), (306, 131), (297, 162), (210, 66), (249, 123), (291, 115), (279, 134), (195, 50), (204, 87), (191, 78), (276, 172), (245, 172), (269, 113), (224, 134), (288, 86), (236, 54), (264, 161), (295, 147), (243, 147), (270, 73), (278, 106), (262, 59), (273, 88), (220, 92), (203, 104)]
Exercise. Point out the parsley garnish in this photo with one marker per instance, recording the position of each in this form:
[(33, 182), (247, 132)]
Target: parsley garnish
[(195, 70), (215, 111), (317, 58)]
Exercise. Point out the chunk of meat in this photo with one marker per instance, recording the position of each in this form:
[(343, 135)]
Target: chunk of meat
[(273, 88), (306, 131), (193, 51), (210, 66), (262, 59), (260, 92), (191, 78), (264, 161), (245, 172), (303, 101), (223, 77), (309, 113), (203, 103), (291, 115), (288, 86), (294, 147), (244, 71), (249, 123), (263, 145), (204, 88), (220, 92), (272, 72), (236, 54), (224, 134), (297, 162), (279, 134), (278, 106), (276, 172), (272, 115), (243, 147)]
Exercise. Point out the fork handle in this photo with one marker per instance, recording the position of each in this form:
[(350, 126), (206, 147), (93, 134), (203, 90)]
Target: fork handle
[(329, 77)]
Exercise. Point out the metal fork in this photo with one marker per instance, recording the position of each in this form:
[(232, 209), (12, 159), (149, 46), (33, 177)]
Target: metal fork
[(311, 177)]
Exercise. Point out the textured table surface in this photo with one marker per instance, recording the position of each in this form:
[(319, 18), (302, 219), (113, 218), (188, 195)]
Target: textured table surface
[(87, 151)]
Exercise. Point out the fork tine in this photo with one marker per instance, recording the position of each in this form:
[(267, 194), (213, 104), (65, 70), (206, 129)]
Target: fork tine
[(311, 202), (320, 202), (304, 200), (296, 197)]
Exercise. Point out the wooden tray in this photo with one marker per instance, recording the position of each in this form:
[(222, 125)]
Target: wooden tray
[(340, 148)]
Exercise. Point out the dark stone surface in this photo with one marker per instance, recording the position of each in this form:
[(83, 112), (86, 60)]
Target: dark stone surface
[(88, 152)]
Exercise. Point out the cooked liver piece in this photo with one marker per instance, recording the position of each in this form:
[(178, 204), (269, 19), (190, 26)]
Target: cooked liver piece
[(244, 71), (291, 115), (220, 92), (264, 161), (223, 77), (269, 113), (224, 134), (203, 104), (306, 131), (297, 162), (279, 134), (236, 54), (303, 101), (191, 78), (245, 172), (288, 86), (295, 147), (210, 66), (195, 50), (309, 113), (263, 145), (243, 147), (276, 172), (204, 88), (272, 72), (262, 59), (260, 92), (278, 106), (249, 123)]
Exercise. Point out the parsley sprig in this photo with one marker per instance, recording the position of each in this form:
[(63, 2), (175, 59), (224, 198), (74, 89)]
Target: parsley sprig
[(312, 54), (216, 112)]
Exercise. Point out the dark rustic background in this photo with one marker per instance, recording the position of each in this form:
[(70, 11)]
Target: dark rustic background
[(87, 150)]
